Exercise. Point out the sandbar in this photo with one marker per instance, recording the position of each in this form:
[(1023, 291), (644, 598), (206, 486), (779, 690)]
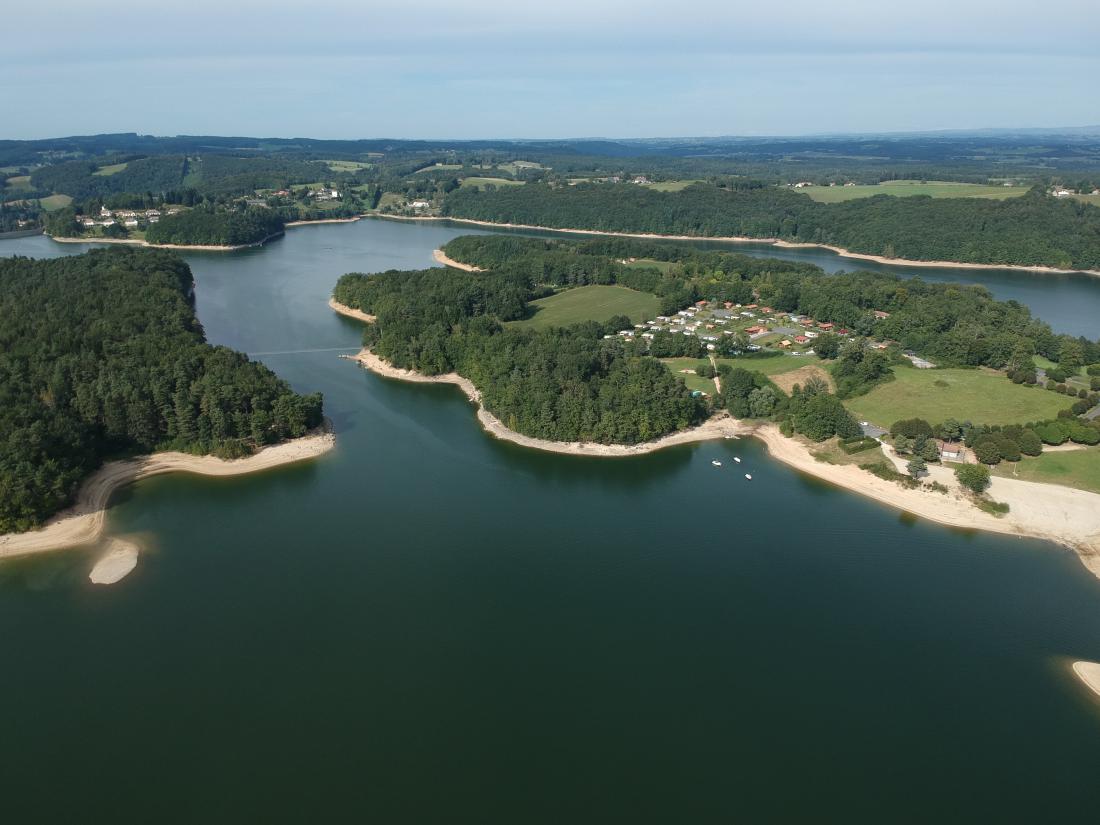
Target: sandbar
[(1089, 673), (119, 560)]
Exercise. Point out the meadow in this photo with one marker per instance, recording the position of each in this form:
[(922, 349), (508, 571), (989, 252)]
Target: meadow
[(693, 381), (479, 182), (591, 303), (980, 396), (907, 188), (112, 169), (1075, 468)]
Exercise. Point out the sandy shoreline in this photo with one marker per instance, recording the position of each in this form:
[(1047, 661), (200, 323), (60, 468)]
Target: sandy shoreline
[(440, 257), (84, 521), (357, 314), (325, 220), (182, 246), (1089, 673), (776, 242)]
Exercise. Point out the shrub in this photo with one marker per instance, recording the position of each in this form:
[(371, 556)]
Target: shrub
[(988, 451), (1029, 443), (858, 444), (911, 428), (974, 477)]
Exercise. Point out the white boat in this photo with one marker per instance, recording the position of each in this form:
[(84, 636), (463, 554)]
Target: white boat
[(748, 476), (735, 458), (717, 463)]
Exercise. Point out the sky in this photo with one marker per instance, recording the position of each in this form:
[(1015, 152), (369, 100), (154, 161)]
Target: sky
[(567, 68)]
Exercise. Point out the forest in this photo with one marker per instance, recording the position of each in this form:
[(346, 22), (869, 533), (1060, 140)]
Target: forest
[(215, 227), (101, 356), (953, 324), (559, 384), (1034, 229)]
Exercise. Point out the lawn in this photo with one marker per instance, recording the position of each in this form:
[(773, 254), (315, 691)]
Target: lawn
[(591, 303), (1093, 199), (113, 169), (906, 188), (693, 381), (518, 166), (1077, 468), (478, 182), (979, 396), (440, 167), (670, 185)]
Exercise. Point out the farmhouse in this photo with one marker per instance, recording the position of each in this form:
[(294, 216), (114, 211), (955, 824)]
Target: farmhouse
[(799, 339)]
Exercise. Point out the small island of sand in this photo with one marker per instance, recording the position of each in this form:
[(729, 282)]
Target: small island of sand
[(1089, 673), (116, 563)]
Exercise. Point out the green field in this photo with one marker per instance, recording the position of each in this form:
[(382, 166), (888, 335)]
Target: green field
[(475, 181), (440, 167), (670, 185), (1093, 199), (113, 169), (54, 202), (694, 382), (18, 182), (390, 199), (906, 188), (345, 165), (773, 366), (650, 263), (518, 166), (591, 303), (979, 396), (1078, 468)]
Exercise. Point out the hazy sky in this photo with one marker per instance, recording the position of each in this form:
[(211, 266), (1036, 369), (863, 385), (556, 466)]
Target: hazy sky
[(565, 68)]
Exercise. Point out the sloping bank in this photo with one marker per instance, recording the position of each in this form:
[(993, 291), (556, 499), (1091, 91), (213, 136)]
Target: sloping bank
[(83, 523), (776, 242), (1066, 516), (182, 246)]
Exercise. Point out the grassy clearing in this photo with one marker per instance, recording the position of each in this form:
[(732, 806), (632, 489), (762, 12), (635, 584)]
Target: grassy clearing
[(518, 166), (18, 182), (479, 182), (113, 169), (829, 452), (591, 303), (390, 199), (1077, 468), (650, 263), (670, 185), (439, 167), (54, 202), (776, 365), (346, 165), (980, 396), (908, 188), (1093, 199), (693, 381)]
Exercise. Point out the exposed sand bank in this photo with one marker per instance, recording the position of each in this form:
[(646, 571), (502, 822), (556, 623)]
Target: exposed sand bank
[(84, 521), (776, 242), (183, 246), (357, 314), (1089, 673), (119, 560), (718, 426), (441, 257), (352, 219)]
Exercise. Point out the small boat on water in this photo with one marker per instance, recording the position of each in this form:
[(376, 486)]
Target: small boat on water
[(748, 476), (735, 458), (717, 463)]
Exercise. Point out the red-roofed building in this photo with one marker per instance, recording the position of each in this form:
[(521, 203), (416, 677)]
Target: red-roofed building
[(801, 339), (756, 330), (825, 325)]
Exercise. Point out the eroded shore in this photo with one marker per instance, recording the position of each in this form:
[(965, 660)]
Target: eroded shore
[(83, 523)]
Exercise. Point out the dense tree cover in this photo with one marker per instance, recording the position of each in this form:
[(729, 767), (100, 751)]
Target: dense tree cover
[(953, 324), (100, 355), (12, 215), (818, 415), (560, 384), (1034, 229), (215, 227), (78, 179)]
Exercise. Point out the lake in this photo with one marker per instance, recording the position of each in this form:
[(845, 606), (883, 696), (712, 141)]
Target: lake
[(428, 625)]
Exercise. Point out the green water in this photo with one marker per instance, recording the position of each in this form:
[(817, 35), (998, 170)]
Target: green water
[(429, 626)]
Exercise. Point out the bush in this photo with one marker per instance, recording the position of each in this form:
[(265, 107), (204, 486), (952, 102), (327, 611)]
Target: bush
[(1094, 370), (857, 444), (974, 477), (1056, 375), (911, 428), (1010, 450), (988, 451), (1029, 443)]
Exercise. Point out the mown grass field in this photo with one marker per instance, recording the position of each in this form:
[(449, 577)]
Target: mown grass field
[(54, 202), (591, 303), (1093, 199), (345, 165), (113, 169), (979, 396), (18, 182), (1078, 468), (440, 167), (905, 188), (517, 166), (775, 365), (478, 182), (693, 381), (670, 185)]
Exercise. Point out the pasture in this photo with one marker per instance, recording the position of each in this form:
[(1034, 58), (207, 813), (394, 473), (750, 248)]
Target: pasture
[(478, 183), (694, 382), (979, 395), (590, 303), (1074, 468), (112, 169), (908, 188)]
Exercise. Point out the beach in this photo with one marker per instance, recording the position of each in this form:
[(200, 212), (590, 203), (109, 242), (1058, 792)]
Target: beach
[(776, 242), (441, 257), (188, 247), (1089, 673), (357, 314), (83, 523)]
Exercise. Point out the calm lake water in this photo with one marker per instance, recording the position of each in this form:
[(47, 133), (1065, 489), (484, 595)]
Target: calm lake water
[(431, 626)]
